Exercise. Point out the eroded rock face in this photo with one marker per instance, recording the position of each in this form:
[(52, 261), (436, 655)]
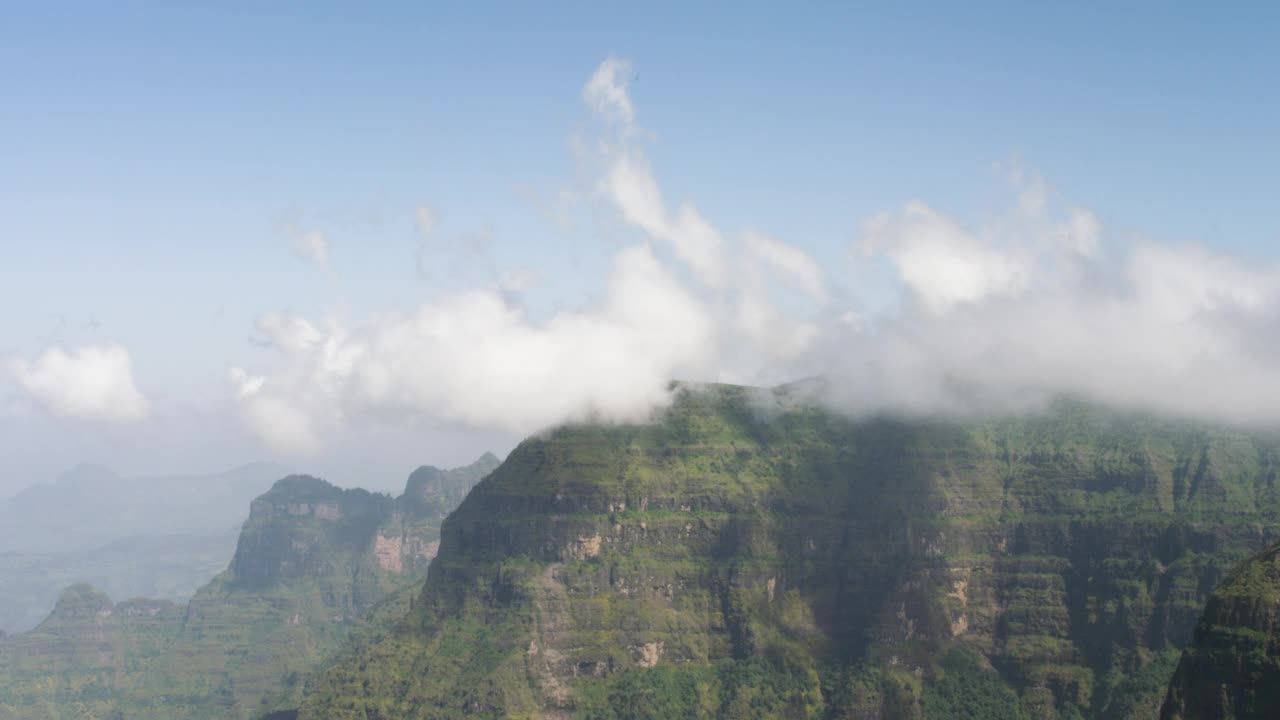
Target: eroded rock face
[(1231, 669), (305, 527), (749, 540), (389, 552)]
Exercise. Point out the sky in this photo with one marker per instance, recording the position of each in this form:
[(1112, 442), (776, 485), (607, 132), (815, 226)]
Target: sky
[(357, 239)]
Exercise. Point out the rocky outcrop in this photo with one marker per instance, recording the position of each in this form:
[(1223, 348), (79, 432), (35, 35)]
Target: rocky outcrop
[(1231, 669), (750, 555)]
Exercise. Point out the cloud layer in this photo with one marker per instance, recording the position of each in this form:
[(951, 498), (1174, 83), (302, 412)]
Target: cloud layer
[(94, 383), (995, 314)]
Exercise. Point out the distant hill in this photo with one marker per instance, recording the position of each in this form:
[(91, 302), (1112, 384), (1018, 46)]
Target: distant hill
[(313, 565), (159, 537), (166, 567), (91, 506)]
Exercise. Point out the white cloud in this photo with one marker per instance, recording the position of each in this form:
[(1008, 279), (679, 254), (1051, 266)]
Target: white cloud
[(474, 360), (606, 91), (94, 382), (1002, 321), (635, 193), (997, 313), (941, 263)]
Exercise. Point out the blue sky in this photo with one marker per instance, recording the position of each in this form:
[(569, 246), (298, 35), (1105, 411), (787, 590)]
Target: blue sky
[(159, 160)]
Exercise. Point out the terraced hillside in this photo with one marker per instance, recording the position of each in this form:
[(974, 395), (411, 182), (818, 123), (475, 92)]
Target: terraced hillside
[(749, 555)]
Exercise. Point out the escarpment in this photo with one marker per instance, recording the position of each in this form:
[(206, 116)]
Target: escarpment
[(750, 555)]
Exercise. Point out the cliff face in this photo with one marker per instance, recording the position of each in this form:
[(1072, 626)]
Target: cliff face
[(311, 559), (1231, 669), (752, 556)]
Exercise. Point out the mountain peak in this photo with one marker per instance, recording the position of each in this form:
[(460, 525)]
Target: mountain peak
[(80, 600), (429, 483)]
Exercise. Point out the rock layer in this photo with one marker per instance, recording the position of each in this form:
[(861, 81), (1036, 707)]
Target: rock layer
[(751, 555)]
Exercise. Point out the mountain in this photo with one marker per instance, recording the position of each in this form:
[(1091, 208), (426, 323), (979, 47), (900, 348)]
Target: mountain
[(90, 506), (159, 537), (169, 567), (1231, 669), (313, 563), (750, 555), (63, 668)]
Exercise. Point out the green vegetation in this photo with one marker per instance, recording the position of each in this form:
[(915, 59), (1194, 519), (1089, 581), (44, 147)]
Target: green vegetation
[(1231, 669), (963, 689), (746, 555), (750, 555), (315, 566)]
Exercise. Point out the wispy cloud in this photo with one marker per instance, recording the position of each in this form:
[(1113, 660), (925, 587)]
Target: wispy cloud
[(477, 359), (1033, 303)]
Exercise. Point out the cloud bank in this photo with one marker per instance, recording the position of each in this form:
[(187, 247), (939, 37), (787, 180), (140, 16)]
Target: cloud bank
[(93, 383), (998, 314), (1171, 328)]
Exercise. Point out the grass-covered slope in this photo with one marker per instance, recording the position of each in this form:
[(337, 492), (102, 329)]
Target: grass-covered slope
[(751, 556), (87, 649), (1231, 669), (312, 559)]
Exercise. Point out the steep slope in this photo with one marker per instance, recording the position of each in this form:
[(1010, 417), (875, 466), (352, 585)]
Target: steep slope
[(749, 555), (311, 559), (1231, 669)]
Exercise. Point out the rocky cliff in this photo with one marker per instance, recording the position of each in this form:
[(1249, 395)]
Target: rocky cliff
[(749, 555), (311, 560), (1231, 669)]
